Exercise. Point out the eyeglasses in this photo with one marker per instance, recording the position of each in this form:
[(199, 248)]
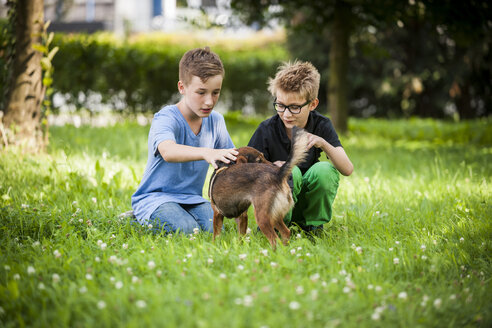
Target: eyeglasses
[(294, 109)]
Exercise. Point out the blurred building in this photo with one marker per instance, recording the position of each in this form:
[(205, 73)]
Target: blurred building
[(127, 16)]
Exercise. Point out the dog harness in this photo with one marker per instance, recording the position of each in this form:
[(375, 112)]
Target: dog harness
[(212, 180)]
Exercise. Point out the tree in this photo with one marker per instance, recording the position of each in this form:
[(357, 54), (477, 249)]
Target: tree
[(22, 110)]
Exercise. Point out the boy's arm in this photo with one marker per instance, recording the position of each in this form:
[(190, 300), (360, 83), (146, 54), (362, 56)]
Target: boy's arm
[(175, 153), (336, 155)]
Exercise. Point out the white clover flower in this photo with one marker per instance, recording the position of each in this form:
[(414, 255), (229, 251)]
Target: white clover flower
[(452, 297), (346, 289), (403, 295), (158, 273), (150, 226), (124, 246), (293, 251), (298, 236), (101, 305), (99, 242), (390, 249), (94, 200), (210, 261), (264, 252), (56, 253), (308, 254), (189, 255), (378, 288), (112, 279), (423, 247), (370, 287), (314, 277), (196, 231), (437, 303), (118, 285), (103, 246), (314, 294), (41, 286), (242, 256), (248, 300), (151, 265), (300, 290), (142, 251), (56, 278), (397, 242), (240, 267), (25, 206), (30, 270), (366, 179), (6, 267), (81, 220), (462, 239), (376, 316), (358, 249), (74, 203), (36, 243), (134, 279), (112, 259), (141, 304), (248, 231), (396, 260), (88, 276), (294, 305), (342, 272), (334, 280), (423, 257), (129, 270), (83, 290), (238, 301), (222, 276), (97, 259), (273, 264)]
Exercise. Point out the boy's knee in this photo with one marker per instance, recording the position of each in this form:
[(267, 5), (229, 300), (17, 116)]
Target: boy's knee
[(324, 173)]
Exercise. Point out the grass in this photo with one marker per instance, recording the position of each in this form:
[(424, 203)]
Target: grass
[(409, 244)]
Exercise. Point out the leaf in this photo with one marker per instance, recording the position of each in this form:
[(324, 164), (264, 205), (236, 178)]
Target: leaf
[(53, 53), (39, 47), (45, 64), (50, 38)]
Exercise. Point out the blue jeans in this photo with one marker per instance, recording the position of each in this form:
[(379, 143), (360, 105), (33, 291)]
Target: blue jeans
[(174, 217)]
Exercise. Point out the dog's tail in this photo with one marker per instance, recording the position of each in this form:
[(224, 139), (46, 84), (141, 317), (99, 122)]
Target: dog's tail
[(298, 152)]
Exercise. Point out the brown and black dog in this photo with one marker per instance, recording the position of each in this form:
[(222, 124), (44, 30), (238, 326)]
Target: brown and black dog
[(254, 180)]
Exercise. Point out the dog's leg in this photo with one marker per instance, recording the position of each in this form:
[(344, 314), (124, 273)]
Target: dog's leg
[(263, 221), (284, 231), (242, 223), (218, 221)]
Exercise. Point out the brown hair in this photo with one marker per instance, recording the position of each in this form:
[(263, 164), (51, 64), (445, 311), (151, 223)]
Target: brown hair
[(300, 77), (200, 62)]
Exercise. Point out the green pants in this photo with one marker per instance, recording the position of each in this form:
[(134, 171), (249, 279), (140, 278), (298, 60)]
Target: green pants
[(313, 193)]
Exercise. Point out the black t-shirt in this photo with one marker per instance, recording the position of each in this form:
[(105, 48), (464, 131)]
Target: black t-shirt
[(271, 139)]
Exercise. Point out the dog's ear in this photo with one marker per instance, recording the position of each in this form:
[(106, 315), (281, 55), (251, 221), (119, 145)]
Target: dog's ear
[(241, 159)]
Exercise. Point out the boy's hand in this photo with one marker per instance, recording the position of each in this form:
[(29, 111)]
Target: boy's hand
[(316, 141), (279, 163), (223, 155)]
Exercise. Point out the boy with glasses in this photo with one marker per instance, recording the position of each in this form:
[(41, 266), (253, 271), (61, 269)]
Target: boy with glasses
[(314, 183)]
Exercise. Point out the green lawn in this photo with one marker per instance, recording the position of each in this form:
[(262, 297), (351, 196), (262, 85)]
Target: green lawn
[(409, 244)]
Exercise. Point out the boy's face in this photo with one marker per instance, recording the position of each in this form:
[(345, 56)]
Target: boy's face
[(200, 97), (292, 98)]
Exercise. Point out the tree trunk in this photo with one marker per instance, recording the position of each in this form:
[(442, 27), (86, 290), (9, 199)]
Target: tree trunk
[(337, 93), (22, 116)]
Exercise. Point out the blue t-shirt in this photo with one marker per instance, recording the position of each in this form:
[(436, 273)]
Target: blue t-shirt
[(182, 183)]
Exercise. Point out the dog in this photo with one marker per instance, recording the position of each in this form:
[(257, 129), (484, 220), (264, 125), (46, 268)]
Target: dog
[(254, 180)]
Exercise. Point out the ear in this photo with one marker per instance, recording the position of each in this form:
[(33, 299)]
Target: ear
[(241, 159), (181, 87), (313, 104)]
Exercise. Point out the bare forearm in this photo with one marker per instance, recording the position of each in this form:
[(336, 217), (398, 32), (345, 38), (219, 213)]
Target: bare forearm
[(175, 153), (339, 158)]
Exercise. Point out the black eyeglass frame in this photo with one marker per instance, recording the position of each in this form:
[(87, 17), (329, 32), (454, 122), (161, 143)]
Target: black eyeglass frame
[(289, 107)]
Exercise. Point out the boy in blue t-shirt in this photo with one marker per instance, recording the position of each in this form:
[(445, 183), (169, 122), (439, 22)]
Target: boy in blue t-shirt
[(183, 140)]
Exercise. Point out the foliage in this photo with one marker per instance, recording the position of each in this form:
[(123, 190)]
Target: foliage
[(416, 58), (140, 73), (7, 49), (409, 244)]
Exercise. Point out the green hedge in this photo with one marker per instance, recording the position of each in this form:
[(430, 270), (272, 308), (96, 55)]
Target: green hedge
[(143, 71)]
